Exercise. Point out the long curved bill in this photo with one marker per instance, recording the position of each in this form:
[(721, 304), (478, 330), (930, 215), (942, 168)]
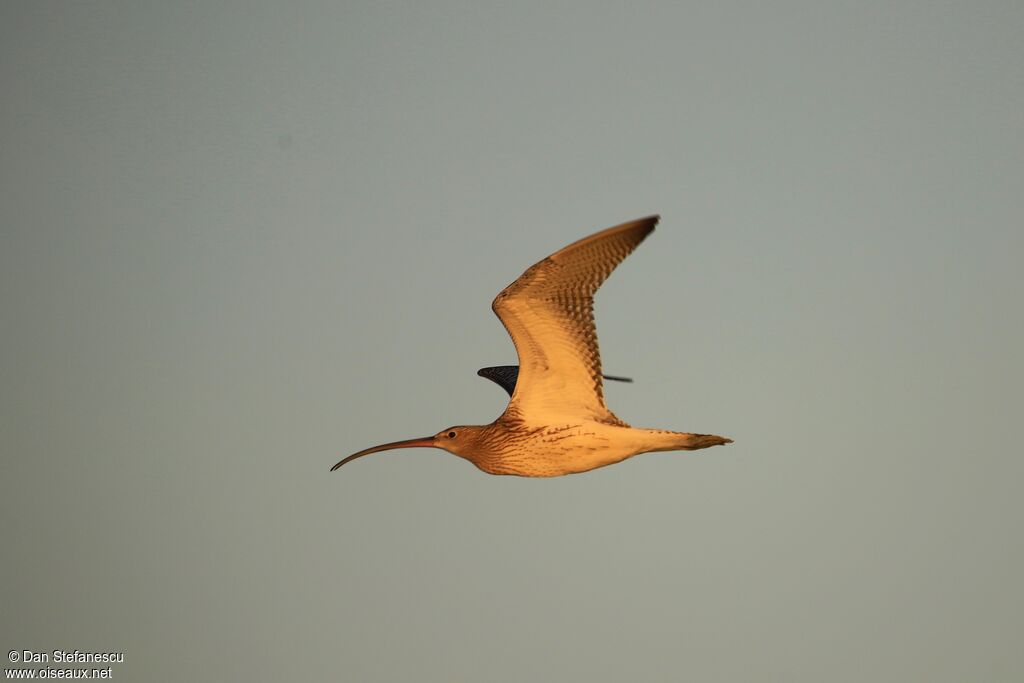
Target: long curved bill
[(426, 442)]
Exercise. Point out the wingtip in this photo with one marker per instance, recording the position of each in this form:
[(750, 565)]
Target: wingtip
[(651, 220), (649, 223)]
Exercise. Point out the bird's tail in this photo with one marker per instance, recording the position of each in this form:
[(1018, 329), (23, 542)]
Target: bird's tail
[(681, 441)]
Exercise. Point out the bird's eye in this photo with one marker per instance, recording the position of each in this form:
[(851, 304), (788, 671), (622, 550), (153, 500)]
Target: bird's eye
[(451, 435)]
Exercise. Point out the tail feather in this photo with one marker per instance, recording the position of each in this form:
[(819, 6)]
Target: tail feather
[(698, 441), (681, 441)]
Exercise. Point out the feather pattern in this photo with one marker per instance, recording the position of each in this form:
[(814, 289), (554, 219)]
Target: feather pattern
[(549, 313)]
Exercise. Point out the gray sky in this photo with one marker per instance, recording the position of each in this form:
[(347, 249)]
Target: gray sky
[(243, 240)]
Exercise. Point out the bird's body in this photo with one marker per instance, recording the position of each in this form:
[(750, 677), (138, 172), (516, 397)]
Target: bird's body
[(569, 447), (556, 422)]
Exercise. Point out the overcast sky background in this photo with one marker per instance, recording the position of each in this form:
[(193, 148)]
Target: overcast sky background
[(243, 240)]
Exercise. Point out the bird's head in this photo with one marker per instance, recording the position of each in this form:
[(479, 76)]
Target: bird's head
[(460, 440)]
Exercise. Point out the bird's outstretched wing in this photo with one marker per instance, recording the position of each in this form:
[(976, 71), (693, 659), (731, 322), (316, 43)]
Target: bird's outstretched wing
[(549, 313), (505, 376)]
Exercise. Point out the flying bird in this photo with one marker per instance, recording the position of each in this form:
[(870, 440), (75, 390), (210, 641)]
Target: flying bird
[(556, 422)]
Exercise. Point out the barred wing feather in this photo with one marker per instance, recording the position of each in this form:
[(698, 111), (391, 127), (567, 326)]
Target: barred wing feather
[(549, 313)]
